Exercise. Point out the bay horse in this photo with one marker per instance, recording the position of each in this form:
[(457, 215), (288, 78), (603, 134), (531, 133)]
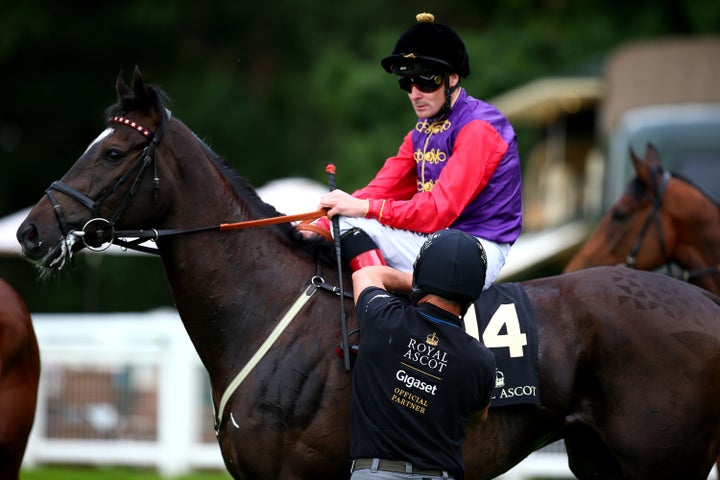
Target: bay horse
[(19, 378), (629, 361), (662, 219)]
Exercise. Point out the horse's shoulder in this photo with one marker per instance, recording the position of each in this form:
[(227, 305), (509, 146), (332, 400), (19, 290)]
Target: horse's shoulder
[(12, 306)]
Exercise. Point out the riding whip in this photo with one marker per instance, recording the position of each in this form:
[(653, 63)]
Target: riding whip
[(330, 169)]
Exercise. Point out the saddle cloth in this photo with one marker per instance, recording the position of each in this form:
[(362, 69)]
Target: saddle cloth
[(504, 321)]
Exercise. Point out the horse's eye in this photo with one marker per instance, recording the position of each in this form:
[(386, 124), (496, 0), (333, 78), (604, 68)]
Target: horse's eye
[(114, 155)]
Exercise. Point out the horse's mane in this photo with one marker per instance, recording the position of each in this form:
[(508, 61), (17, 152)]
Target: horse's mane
[(319, 248), (710, 196), (636, 187)]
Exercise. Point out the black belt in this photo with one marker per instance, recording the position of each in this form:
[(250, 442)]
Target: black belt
[(392, 466)]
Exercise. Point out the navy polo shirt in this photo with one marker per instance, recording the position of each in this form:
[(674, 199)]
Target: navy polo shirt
[(417, 377)]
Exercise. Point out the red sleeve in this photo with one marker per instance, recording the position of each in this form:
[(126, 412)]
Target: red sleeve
[(477, 152), (397, 179)]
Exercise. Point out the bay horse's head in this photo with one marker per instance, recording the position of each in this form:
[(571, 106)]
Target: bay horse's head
[(89, 202), (659, 219), (635, 231)]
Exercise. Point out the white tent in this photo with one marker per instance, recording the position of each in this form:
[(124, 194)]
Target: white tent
[(8, 227), (293, 195)]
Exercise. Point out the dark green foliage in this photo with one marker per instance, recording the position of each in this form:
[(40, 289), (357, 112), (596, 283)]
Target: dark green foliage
[(278, 88)]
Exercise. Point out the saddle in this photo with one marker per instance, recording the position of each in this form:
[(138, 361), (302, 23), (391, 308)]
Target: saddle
[(504, 321)]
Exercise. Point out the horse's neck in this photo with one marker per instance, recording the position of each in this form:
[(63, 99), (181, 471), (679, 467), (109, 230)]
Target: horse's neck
[(229, 287), (698, 247)]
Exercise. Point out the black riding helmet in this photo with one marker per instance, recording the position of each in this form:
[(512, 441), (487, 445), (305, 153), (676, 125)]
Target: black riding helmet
[(429, 48), (450, 264)]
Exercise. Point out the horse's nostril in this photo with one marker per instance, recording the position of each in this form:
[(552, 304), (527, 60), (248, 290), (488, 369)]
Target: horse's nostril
[(28, 236)]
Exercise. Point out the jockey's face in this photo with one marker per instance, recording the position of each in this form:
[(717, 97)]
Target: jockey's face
[(427, 105)]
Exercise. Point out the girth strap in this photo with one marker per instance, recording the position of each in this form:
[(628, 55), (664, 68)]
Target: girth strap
[(260, 353)]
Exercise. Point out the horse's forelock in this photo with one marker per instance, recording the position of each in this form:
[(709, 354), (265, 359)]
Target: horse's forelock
[(636, 188), (128, 101)]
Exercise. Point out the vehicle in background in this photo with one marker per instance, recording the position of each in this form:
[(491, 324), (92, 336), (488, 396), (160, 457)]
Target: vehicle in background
[(562, 170), (662, 91), (665, 92)]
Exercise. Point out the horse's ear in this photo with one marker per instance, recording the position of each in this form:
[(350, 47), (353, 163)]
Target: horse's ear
[(642, 170), (137, 77), (143, 97), (652, 157), (121, 87)]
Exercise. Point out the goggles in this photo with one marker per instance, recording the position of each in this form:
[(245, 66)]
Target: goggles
[(424, 83)]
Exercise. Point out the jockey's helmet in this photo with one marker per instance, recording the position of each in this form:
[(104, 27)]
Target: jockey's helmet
[(428, 47)]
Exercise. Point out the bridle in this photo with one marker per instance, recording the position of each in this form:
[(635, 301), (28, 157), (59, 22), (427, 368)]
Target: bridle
[(654, 214), (146, 157)]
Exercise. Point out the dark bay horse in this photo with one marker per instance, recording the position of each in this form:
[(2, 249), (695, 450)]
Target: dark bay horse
[(629, 361), (19, 378), (661, 219)]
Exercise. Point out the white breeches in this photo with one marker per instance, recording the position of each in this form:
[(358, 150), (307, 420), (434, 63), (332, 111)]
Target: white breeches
[(400, 247)]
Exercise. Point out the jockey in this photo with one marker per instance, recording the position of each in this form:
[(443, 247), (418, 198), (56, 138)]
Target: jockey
[(458, 167)]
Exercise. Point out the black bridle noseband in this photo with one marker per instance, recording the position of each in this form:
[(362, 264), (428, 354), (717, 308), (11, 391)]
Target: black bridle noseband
[(146, 157)]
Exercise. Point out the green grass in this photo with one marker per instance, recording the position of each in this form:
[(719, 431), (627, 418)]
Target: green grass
[(103, 473)]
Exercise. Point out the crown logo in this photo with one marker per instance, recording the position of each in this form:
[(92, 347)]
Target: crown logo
[(432, 340), (499, 379)]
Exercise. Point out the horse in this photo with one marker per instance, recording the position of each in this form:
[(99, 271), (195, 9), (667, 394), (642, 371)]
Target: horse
[(19, 378), (662, 219), (629, 361)]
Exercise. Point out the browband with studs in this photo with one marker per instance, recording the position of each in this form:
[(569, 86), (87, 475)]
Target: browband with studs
[(131, 123)]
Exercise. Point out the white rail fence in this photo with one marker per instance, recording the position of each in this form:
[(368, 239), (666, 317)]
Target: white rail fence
[(129, 390), (121, 389)]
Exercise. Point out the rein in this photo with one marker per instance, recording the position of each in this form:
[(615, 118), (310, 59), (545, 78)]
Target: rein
[(143, 235)]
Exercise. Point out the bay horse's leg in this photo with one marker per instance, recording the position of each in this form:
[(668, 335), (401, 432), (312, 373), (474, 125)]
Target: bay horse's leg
[(648, 425), (19, 376), (636, 456), (588, 456)]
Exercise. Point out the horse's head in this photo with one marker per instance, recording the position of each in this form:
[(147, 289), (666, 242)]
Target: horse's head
[(118, 168), (636, 230)]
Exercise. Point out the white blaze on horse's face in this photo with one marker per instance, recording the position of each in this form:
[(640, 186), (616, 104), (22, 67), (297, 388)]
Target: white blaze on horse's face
[(104, 134)]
